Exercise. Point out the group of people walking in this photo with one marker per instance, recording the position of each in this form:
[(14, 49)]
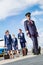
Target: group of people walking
[(31, 31), (11, 42)]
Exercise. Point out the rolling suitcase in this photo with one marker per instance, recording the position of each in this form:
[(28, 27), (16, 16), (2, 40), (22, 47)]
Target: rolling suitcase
[(6, 56), (24, 51)]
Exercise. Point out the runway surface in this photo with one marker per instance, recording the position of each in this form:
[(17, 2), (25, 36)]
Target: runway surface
[(38, 60), (30, 59)]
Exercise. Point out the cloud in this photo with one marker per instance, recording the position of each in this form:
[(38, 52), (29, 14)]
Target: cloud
[(41, 7), (14, 7), (41, 4), (37, 13), (8, 7)]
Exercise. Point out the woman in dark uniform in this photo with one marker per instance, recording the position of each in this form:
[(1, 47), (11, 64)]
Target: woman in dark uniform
[(21, 37), (8, 41), (15, 45)]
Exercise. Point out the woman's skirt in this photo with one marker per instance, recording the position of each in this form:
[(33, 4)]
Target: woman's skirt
[(9, 47), (22, 45)]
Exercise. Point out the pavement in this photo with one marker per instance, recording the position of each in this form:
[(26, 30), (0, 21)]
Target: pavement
[(33, 60), (30, 59)]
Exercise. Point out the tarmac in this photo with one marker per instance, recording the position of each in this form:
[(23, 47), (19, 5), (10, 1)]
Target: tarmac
[(30, 59), (38, 60)]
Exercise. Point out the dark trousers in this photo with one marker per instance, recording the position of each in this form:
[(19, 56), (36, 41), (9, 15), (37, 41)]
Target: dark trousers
[(35, 43)]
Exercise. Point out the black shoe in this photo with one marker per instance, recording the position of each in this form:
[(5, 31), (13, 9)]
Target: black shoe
[(39, 50)]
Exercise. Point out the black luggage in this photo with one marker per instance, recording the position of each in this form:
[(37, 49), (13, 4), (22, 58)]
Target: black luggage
[(26, 51), (6, 56), (38, 52)]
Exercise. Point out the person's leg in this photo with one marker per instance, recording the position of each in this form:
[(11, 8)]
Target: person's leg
[(10, 51), (24, 51), (17, 52), (23, 48), (35, 44), (11, 54)]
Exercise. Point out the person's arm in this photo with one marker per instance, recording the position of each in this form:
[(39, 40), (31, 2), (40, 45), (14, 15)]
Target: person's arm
[(18, 36), (10, 38), (35, 28), (26, 28), (16, 42), (24, 37), (4, 40)]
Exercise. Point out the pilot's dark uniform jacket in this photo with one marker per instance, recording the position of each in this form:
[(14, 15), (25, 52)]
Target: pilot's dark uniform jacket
[(8, 42), (32, 31), (22, 40), (15, 44)]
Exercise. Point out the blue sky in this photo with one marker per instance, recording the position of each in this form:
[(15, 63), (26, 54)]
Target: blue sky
[(12, 15)]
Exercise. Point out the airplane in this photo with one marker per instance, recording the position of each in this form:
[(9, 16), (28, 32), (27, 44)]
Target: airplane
[(1, 46)]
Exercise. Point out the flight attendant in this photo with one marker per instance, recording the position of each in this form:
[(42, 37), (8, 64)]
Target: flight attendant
[(21, 37), (8, 41), (15, 45)]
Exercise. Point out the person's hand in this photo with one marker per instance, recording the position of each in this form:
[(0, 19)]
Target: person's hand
[(5, 46), (37, 34), (27, 32), (28, 35), (17, 46)]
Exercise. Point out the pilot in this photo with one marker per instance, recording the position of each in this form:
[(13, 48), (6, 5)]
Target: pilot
[(31, 31)]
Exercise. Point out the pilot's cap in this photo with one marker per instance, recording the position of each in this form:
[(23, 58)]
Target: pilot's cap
[(28, 14)]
